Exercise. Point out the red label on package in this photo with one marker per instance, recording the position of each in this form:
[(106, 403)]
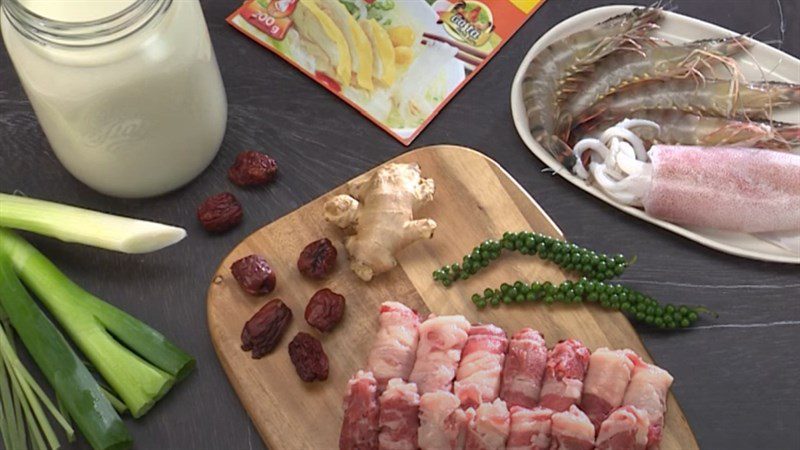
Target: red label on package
[(272, 18)]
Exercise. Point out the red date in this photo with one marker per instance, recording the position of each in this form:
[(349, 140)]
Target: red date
[(325, 310), (220, 212), (317, 259), (252, 168), (264, 330), (308, 357), (254, 275)]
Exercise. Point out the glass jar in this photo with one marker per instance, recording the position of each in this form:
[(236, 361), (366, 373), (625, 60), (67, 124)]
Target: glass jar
[(131, 100)]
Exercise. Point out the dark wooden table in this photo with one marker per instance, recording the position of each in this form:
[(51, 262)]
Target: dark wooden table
[(736, 376)]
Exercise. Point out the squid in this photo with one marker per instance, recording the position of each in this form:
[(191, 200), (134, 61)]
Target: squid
[(745, 190)]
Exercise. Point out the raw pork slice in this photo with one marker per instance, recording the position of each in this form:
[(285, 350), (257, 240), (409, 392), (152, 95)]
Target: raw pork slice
[(524, 369), (457, 427), (606, 379), (437, 429), (648, 391), (441, 340), (625, 429), (395, 347), (489, 427), (571, 430), (399, 416), (360, 425), (563, 375), (478, 375), (530, 429)]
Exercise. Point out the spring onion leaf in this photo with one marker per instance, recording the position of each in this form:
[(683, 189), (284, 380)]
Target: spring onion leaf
[(137, 362), (72, 224), (70, 379)]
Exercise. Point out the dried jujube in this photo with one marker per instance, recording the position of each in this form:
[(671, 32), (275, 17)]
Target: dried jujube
[(220, 212), (317, 259), (254, 275), (325, 310), (308, 357), (264, 330), (252, 168)]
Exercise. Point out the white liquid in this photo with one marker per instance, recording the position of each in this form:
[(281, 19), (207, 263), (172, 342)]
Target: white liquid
[(134, 118), (75, 10)]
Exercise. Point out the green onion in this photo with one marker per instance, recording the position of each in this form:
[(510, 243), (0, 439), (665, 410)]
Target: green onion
[(71, 224), (137, 362), (74, 385)]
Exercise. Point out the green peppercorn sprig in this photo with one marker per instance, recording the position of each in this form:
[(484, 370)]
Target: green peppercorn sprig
[(637, 306), (568, 256)]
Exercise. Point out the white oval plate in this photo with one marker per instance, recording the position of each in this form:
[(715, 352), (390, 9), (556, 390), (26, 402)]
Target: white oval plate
[(775, 65)]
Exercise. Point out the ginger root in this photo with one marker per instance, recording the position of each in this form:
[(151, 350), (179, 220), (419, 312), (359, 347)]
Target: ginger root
[(380, 210)]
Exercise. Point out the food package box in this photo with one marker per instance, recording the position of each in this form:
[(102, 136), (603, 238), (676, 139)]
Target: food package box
[(398, 62)]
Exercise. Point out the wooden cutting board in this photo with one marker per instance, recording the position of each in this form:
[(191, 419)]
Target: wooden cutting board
[(475, 199)]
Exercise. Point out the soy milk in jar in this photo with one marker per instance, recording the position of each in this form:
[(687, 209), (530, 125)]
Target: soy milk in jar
[(128, 92)]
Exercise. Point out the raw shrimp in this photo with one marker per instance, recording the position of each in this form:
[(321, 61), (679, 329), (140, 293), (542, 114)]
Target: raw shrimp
[(654, 62), (680, 128), (552, 70), (720, 98), (736, 189)]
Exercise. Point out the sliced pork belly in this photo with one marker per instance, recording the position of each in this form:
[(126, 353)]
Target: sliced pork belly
[(478, 375), (648, 391), (563, 375), (571, 430), (360, 425), (605, 383), (441, 340), (437, 429), (625, 429), (395, 347), (489, 427), (399, 416), (530, 429), (524, 369), (457, 427)]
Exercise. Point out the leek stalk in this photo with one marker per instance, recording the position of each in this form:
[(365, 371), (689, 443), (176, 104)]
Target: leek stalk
[(72, 224), (78, 390), (137, 362)]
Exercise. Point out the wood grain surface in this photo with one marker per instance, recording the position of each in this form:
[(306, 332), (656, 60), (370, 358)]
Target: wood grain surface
[(736, 375), (475, 199)]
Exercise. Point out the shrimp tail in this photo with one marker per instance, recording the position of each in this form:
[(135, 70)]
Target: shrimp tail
[(560, 150)]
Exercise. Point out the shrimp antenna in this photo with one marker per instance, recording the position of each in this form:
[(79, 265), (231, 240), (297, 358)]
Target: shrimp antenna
[(669, 5), (746, 50)]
